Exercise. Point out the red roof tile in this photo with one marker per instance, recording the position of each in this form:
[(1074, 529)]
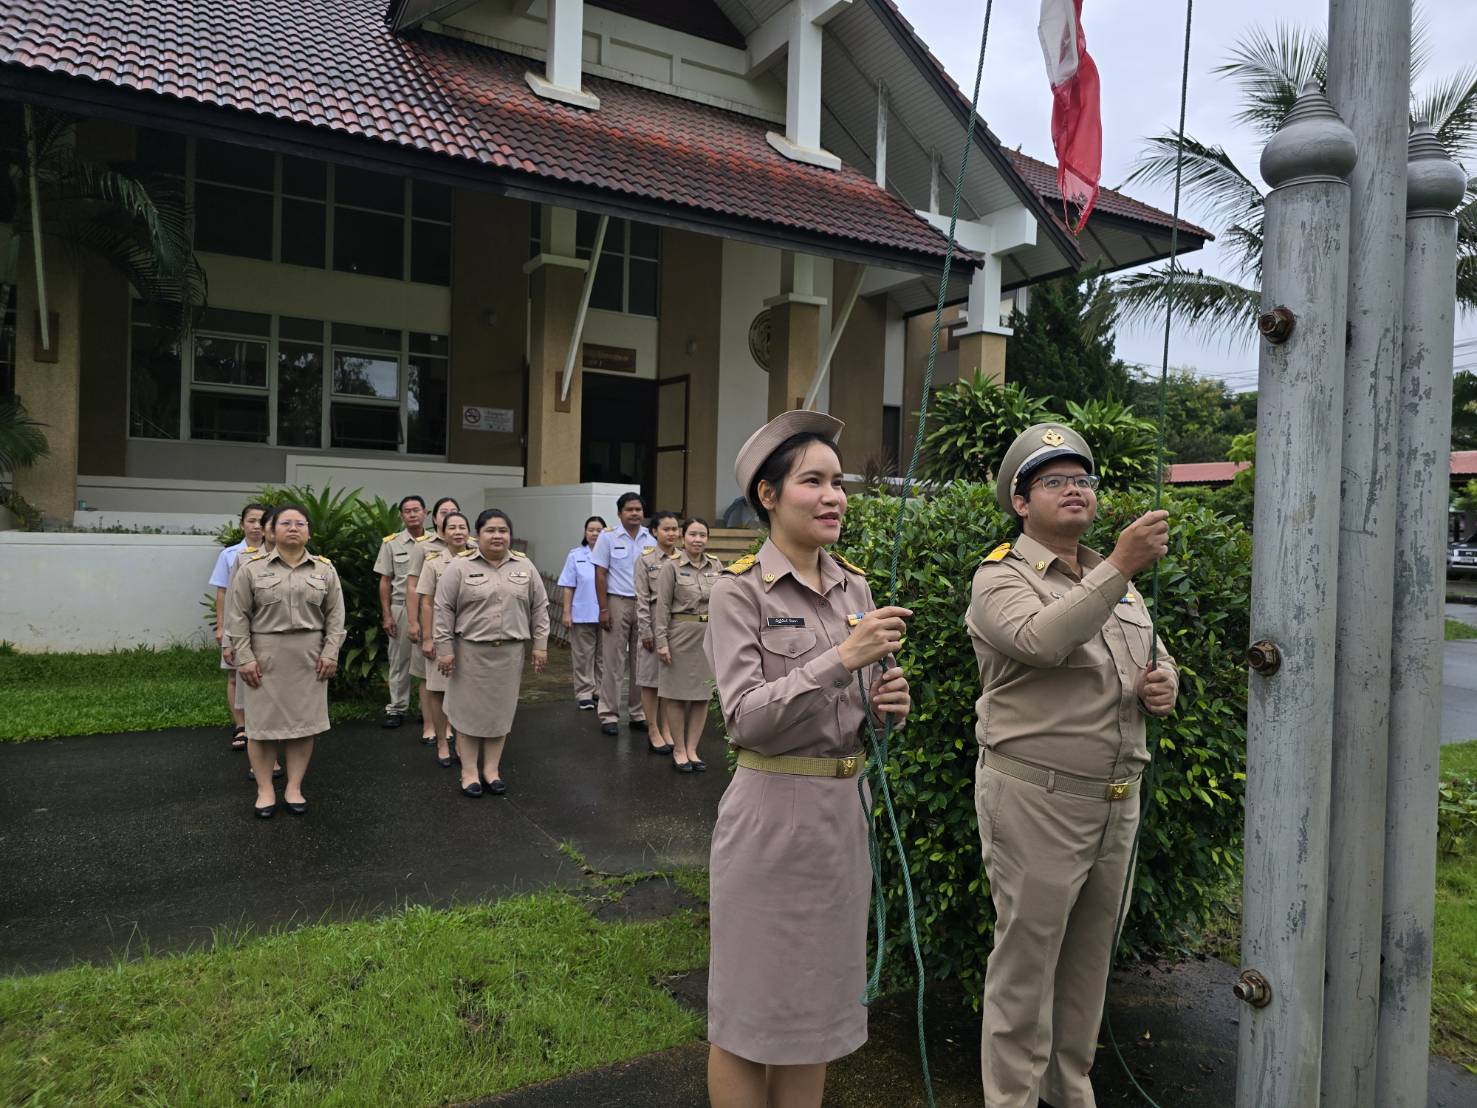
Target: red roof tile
[(334, 64), (1463, 464), (1041, 176)]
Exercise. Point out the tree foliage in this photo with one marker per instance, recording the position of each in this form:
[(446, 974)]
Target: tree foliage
[(1464, 411), (1063, 343), (1202, 415)]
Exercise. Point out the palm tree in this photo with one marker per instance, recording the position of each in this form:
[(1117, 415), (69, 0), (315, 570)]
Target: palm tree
[(132, 219), (1269, 69)]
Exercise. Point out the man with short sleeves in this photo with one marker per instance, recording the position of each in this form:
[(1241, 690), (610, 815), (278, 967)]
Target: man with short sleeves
[(392, 564), (615, 557), (220, 580), (1069, 666)]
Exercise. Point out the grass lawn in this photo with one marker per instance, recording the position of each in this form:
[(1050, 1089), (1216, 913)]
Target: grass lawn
[(1456, 629), (421, 1007), (43, 696)]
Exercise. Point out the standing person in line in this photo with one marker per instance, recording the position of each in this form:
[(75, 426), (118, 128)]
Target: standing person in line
[(285, 620), (456, 532), (267, 545), (489, 602), (681, 630), (432, 540), (582, 615), (220, 579), (615, 557), (392, 563), (666, 528), (1064, 650), (789, 630)]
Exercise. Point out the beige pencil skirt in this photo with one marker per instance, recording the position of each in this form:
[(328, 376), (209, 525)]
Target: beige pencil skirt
[(435, 679), (482, 693), (648, 667), (418, 667), (688, 677), (291, 702)]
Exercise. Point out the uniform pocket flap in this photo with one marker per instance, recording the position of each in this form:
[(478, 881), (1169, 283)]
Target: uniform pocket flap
[(1133, 613), (790, 642)]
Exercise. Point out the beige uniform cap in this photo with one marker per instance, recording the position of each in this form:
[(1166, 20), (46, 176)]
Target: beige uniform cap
[(1032, 449), (763, 442)]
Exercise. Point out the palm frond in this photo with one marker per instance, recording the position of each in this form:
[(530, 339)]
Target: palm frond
[(1269, 67), (1420, 42), (120, 241), (1450, 107), (22, 442), (1210, 306), (1214, 186)]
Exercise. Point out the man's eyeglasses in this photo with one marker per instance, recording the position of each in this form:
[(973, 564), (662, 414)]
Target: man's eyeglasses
[(1058, 481)]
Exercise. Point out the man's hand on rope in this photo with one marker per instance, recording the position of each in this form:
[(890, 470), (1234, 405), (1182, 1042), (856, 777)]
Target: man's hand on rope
[(1156, 691), (1142, 543)]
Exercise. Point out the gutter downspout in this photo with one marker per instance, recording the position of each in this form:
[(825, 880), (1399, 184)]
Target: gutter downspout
[(579, 318)]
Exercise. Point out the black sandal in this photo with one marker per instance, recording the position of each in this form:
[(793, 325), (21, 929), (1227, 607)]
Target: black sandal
[(238, 738)]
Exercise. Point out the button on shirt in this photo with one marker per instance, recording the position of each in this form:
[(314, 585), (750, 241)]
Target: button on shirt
[(1059, 657), (579, 575), (270, 596), (616, 553)]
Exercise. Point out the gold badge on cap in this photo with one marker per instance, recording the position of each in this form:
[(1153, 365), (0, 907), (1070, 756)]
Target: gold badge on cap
[(1053, 438)]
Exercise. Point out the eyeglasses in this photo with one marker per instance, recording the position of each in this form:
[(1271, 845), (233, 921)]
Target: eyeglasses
[(1058, 481)]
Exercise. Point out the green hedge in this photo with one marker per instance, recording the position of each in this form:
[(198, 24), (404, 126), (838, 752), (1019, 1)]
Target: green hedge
[(1190, 851)]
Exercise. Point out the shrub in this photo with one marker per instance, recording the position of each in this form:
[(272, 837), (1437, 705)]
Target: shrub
[(347, 530), (1191, 844), (1456, 815)]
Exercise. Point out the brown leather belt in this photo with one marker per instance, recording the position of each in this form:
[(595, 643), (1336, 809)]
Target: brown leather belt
[(1056, 781)]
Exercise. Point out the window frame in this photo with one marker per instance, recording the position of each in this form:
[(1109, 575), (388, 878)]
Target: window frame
[(617, 243)]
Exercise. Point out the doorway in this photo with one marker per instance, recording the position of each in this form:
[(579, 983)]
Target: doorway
[(618, 432)]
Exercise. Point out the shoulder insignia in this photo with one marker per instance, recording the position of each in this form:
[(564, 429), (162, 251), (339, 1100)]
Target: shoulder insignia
[(743, 565), (608, 531), (676, 553), (249, 550), (324, 558), (423, 537), (432, 555), (998, 553), (390, 538), (858, 570), (467, 553), (647, 549), (256, 557), (519, 555)]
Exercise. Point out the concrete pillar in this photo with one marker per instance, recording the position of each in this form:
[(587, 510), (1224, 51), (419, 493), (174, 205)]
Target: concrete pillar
[(564, 57), (982, 352), (856, 377), (1289, 722), (794, 350), (554, 425), (1435, 188), (1369, 85), (48, 381)]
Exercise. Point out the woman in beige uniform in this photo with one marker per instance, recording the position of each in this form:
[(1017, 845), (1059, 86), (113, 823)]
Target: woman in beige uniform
[(455, 530), (789, 630), (285, 620), (666, 529), (681, 628), (489, 602), (432, 540)]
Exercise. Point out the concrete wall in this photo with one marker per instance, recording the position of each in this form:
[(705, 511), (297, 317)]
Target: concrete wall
[(68, 592), (691, 312), (549, 518)]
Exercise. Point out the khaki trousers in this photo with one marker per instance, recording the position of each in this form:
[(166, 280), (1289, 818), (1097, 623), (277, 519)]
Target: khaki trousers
[(618, 648), (400, 648), (584, 645), (1056, 864)]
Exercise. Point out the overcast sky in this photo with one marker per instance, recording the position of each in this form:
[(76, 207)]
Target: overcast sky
[(1138, 45)]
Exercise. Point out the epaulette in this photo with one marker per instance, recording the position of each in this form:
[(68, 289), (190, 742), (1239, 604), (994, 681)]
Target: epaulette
[(430, 554), (423, 537), (858, 570), (743, 565), (608, 530), (468, 552), (518, 555), (249, 550), (647, 549), (998, 553), (256, 557), (389, 538), (324, 558)]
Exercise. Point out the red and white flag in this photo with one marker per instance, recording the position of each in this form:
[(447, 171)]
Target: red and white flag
[(1076, 114)]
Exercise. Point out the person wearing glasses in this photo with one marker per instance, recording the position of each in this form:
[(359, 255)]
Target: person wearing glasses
[(392, 563), (1069, 666), (285, 623), (430, 542)]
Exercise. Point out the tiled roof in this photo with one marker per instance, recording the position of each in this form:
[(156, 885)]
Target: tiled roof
[(334, 64), (1041, 176), (1463, 464)]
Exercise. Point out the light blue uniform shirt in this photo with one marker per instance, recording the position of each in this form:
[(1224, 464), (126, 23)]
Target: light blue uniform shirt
[(616, 552), (221, 577), (579, 575)]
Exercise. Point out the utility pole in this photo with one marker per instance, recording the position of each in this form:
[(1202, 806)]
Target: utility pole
[(1290, 708), (1369, 85), (1436, 187)]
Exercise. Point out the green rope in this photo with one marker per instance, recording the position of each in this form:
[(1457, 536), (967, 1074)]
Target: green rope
[(1146, 788)]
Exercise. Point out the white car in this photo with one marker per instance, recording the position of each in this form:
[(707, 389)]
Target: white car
[(1461, 558)]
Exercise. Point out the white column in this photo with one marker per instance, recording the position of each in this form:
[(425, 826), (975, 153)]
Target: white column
[(564, 65)]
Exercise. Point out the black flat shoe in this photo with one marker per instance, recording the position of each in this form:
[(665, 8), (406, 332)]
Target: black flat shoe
[(445, 763), (473, 790), (650, 749), (699, 767), (298, 809), (610, 728), (682, 767), (496, 786), (265, 813), (585, 705), (428, 740), (238, 739), (638, 725)]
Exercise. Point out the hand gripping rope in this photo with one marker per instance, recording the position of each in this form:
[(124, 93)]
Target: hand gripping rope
[(879, 745)]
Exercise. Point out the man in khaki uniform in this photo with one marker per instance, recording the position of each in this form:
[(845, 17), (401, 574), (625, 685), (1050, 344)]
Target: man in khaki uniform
[(1069, 666), (616, 552), (392, 564)]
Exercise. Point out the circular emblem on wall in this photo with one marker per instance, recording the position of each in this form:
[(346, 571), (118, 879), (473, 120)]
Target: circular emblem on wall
[(759, 339)]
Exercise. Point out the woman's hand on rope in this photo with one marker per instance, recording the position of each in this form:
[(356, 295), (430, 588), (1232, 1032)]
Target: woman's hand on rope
[(251, 673), (879, 634), (889, 694), (1142, 543)]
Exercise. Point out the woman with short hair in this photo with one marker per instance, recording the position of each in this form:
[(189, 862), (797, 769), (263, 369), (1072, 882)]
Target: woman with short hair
[(490, 601), (681, 627), (455, 531), (581, 616), (666, 528)]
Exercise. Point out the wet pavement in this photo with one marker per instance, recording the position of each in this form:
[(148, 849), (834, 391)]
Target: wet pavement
[(1459, 681), (148, 841)]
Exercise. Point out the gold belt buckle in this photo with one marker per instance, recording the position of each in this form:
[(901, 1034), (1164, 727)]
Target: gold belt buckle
[(845, 767), (1117, 790)]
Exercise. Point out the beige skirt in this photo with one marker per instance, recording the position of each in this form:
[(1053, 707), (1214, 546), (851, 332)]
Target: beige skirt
[(648, 667), (689, 676), (291, 702), (418, 665), (435, 679), (482, 693)]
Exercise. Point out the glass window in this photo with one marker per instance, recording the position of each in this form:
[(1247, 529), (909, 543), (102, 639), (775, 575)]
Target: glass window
[(153, 378), (371, 338), (301, 177), (430, 201), (228, 416), (645, 241), (228, 361), (161, 151), (364, 426), (426, 395), (229, 164), (368, 243), (235, 323), (430, 252), (304, 232), (607, 291), (361, 188), (299, 392), (233, 221), (642, 298), (369, 375), (308, 330)]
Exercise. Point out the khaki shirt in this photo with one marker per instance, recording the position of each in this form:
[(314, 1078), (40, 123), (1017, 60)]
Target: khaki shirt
[(648, 567), (242, 557), (772, 644), (424, 545), (1059, 658), (433, 564), (482, 602), (682, 588), (393, 561), (267, 595)]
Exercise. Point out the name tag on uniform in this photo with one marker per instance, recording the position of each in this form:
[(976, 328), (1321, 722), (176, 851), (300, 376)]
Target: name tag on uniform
[(684, 573), (618, 549), (319, 576), (473, 576), (518, 575), (786, 621), (401, 557)]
